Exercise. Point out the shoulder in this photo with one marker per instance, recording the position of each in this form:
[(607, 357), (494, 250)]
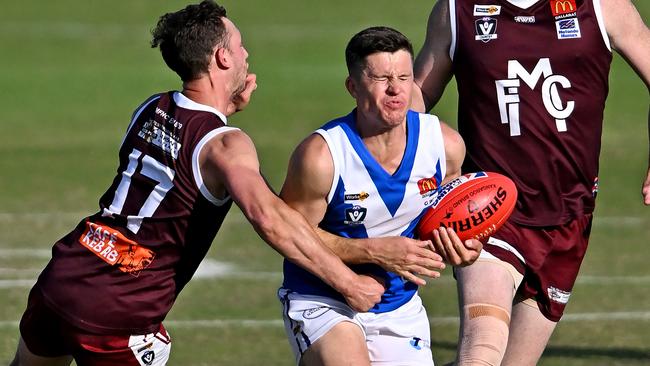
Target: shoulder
[(454, 144), (312, 154)]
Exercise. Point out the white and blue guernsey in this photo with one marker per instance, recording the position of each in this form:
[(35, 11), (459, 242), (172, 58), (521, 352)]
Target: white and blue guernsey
[(366, 201)]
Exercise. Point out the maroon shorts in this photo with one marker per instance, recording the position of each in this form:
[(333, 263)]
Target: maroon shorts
[(47, 334), (552, 256)]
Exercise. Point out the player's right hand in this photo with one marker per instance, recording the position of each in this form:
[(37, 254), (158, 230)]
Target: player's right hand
[(364, 293)]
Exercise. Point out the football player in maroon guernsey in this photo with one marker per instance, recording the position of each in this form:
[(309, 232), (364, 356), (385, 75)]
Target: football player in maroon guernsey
[(532, 80), (103, 296)]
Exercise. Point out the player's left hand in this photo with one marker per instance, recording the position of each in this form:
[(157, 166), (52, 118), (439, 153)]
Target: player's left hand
[(645, 189), (241, 100), (453, 250)]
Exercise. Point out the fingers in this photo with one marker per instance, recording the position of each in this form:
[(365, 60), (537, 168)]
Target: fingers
[(456, 253)]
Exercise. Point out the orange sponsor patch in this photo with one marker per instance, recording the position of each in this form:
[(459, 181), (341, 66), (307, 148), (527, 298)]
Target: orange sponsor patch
[(116, 249)]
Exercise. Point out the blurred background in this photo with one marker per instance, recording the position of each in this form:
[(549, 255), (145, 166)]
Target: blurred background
[(73, 71)]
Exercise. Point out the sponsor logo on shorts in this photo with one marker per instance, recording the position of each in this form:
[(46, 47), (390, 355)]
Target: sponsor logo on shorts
[(356, 196), (314, 313), (486, 10), (557, 295), (419, 343), (148, 357), (116, 249)]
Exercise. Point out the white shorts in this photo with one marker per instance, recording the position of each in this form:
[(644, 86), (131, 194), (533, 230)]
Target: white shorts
[(398, 337)]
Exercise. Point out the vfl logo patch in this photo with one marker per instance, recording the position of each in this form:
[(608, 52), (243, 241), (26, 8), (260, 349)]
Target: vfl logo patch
[(568, 28), (486, 29), (356, 196), (427, 186), (355, 215), (148, 357), (487, 10)]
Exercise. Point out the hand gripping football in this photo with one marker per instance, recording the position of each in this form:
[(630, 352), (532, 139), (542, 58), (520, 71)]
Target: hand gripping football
[(475, 205)]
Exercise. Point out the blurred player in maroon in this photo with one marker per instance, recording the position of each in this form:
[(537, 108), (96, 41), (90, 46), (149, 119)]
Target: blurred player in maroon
[(532, 81), (110, 283)]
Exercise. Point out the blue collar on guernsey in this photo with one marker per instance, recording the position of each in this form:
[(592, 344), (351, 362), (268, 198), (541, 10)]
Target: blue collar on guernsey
[(397, 183)]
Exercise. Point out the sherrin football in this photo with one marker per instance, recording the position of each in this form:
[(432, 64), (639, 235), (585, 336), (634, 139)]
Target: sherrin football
[(475, 205)]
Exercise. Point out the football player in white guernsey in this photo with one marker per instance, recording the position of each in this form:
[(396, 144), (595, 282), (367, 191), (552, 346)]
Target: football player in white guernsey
[(365, 179)]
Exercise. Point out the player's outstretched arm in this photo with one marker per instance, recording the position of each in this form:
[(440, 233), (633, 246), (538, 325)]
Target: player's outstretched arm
[(445, 240), (433, 63), (229, 163), (309, 179), (630, 37)]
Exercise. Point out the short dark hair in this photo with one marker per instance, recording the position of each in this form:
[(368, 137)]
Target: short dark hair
[(372, 40), (187, 37)]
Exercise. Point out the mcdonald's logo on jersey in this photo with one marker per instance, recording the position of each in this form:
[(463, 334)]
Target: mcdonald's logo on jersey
[(427, 186), (560, 7)]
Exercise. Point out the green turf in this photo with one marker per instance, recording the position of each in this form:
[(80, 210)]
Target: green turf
[(74, 70)]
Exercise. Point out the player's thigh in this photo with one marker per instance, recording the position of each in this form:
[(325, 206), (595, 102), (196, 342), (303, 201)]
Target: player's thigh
[(343, 344), (530, 331), (308, 318), (488, 280), (24, 357), (399, 337)]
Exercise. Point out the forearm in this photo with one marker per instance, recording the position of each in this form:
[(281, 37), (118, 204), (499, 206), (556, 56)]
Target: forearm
[(289, 233), (350, 251)]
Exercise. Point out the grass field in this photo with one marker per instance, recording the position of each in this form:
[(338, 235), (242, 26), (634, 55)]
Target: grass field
[(74, 70)]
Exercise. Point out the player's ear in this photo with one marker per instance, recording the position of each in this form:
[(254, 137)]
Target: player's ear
[(222, 58), (351, 86)]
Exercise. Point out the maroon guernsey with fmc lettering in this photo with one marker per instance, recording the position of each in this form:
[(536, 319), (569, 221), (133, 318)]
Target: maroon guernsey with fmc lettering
[(532, 85), (121, 269)]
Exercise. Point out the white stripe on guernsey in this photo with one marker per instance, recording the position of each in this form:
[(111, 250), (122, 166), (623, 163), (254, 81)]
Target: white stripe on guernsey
[(601, 24), (452, 25), (437, 138), (336, 161), (198, 179), (187, 103), (434, 320)]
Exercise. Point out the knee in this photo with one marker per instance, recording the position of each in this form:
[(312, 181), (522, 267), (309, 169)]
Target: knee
[(484, 336)]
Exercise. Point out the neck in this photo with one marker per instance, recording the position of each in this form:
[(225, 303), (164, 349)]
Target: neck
[(385, 143), (205, 91)]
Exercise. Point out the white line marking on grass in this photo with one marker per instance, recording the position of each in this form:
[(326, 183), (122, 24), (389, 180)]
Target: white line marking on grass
[(434, 320), (25, 253), (16, 283)]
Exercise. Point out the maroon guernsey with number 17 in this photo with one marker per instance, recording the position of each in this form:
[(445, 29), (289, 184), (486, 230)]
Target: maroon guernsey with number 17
[(532, 86), (121, 269)]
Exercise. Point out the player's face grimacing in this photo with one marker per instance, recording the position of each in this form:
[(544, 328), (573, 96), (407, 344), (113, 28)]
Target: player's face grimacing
[(385, 85)]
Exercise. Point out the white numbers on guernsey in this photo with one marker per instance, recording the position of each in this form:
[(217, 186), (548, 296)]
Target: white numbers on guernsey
[(151, 168), (508, 94)]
